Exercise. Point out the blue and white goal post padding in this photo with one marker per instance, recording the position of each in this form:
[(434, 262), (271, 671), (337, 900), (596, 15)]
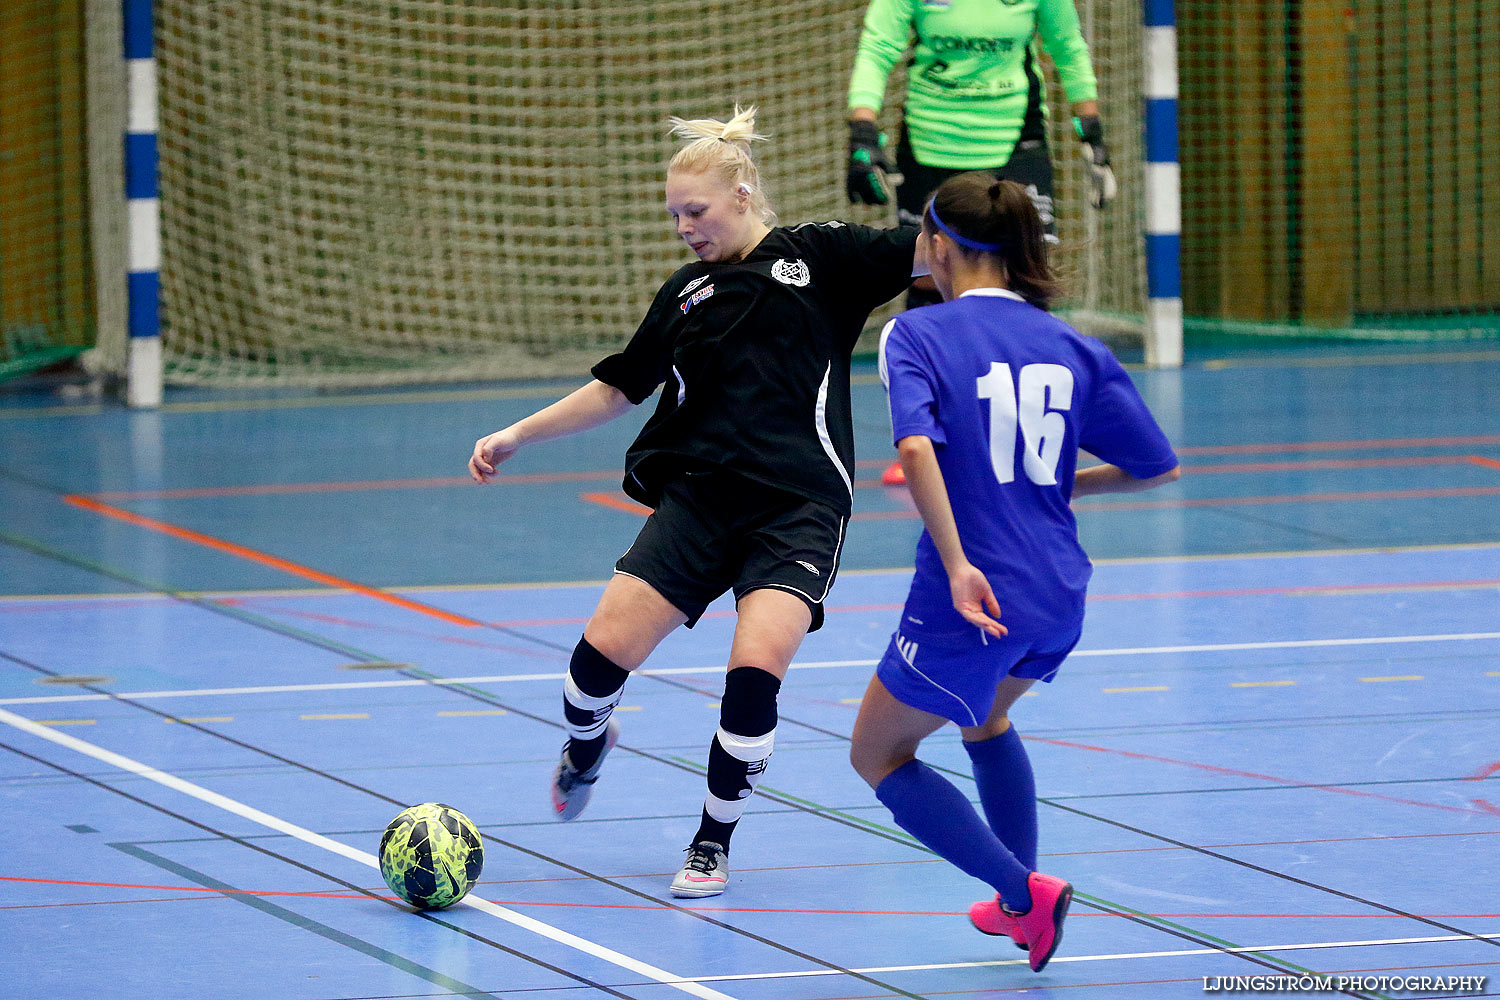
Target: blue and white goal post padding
[(1163, 190), (143, 385)]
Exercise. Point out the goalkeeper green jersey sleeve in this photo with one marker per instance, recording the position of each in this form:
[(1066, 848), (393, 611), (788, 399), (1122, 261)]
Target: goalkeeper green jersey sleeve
[(973, 77)]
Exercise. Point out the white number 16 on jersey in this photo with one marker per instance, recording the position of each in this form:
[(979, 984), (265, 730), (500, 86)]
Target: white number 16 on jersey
[(1043, 391)]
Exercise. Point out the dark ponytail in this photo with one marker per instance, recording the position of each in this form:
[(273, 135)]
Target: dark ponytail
[(984, 215)]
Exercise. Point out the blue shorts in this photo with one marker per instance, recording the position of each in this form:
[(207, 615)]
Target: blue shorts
[(955, 676)]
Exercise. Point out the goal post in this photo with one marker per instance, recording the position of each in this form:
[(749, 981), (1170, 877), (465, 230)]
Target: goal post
[(396, 191)]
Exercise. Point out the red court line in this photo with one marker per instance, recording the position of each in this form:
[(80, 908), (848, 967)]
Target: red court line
[(1251, 774), (438, 482), (1273, 447), (1334, 588), (1167, 595), (1319, 465), (1181, 504), (196, 890), (455, 640), (265, 559), (1280, 498)]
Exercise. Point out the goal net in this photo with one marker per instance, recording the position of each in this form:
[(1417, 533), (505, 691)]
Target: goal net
[(364, 193), (50, 305), (1338, 172)]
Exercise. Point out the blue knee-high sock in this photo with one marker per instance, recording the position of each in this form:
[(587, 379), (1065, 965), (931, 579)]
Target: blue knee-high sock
[(927, 806), (1007, 791)]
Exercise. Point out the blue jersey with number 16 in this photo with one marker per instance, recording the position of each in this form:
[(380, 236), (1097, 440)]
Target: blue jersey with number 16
[(1009, 394)]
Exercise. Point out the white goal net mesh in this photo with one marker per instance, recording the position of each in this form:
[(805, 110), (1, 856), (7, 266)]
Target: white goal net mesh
[(366, 192)]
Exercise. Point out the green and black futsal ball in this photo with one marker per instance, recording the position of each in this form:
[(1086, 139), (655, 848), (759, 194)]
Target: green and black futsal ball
[(431, 855)]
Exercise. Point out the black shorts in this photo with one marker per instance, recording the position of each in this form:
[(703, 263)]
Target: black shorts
[(715, 531), (1030, 165)]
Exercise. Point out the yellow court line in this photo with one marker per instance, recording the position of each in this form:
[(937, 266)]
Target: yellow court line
[(627, 708), (1260, 684), (66, 722), (203, 718), (79, 410), (1352, 360), (350, 715), (1152, 687), (1398, 677), (850, 701), (477, 711)]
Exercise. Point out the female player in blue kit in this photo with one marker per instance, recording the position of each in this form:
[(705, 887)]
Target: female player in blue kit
[(991, 400)]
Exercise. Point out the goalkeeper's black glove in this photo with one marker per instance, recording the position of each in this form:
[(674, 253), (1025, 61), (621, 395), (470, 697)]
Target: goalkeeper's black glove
[(1102, 186), (871, 172)]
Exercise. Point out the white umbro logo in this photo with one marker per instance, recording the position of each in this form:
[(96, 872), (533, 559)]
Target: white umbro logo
[(692, 285), (791, 272), (809, 567)]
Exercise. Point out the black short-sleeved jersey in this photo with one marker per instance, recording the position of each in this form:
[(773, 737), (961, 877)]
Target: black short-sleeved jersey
[(755, 354)]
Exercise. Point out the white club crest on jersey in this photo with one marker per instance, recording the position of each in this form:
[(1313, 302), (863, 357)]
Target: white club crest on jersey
[(692, 285), (791, 272)]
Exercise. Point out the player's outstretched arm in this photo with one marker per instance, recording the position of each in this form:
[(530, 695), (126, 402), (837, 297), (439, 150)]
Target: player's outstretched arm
[(972, 595), (919, 266), (1113, 479), (590, 406)]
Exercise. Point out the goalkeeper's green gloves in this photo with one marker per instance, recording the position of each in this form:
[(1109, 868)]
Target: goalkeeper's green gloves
[(1102, 188), (871, 173)]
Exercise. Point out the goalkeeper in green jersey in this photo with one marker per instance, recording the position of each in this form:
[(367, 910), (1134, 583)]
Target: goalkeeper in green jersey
[(974, 101)]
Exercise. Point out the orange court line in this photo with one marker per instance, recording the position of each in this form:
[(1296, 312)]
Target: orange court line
[(273, 489), (617, 503), (1481, 460), (265, 559)]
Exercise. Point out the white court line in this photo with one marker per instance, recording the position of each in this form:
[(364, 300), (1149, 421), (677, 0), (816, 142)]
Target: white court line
[(1374, 640), (810, 665), (1186, 952), (363, 685), (691, 986)]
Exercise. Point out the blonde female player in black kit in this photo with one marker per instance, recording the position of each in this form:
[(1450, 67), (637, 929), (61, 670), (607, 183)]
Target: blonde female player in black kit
[(746, 461)]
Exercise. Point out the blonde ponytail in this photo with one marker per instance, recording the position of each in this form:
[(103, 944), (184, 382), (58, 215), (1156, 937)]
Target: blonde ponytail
[(723, 148)]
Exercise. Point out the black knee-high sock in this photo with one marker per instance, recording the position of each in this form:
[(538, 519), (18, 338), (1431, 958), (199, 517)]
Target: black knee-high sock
[(590, 694), (741, 747)]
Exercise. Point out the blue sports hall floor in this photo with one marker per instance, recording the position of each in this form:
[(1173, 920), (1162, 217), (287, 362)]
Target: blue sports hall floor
[(237, 635)]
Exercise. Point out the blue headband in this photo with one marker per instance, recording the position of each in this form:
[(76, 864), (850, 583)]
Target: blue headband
[(962, 241)]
